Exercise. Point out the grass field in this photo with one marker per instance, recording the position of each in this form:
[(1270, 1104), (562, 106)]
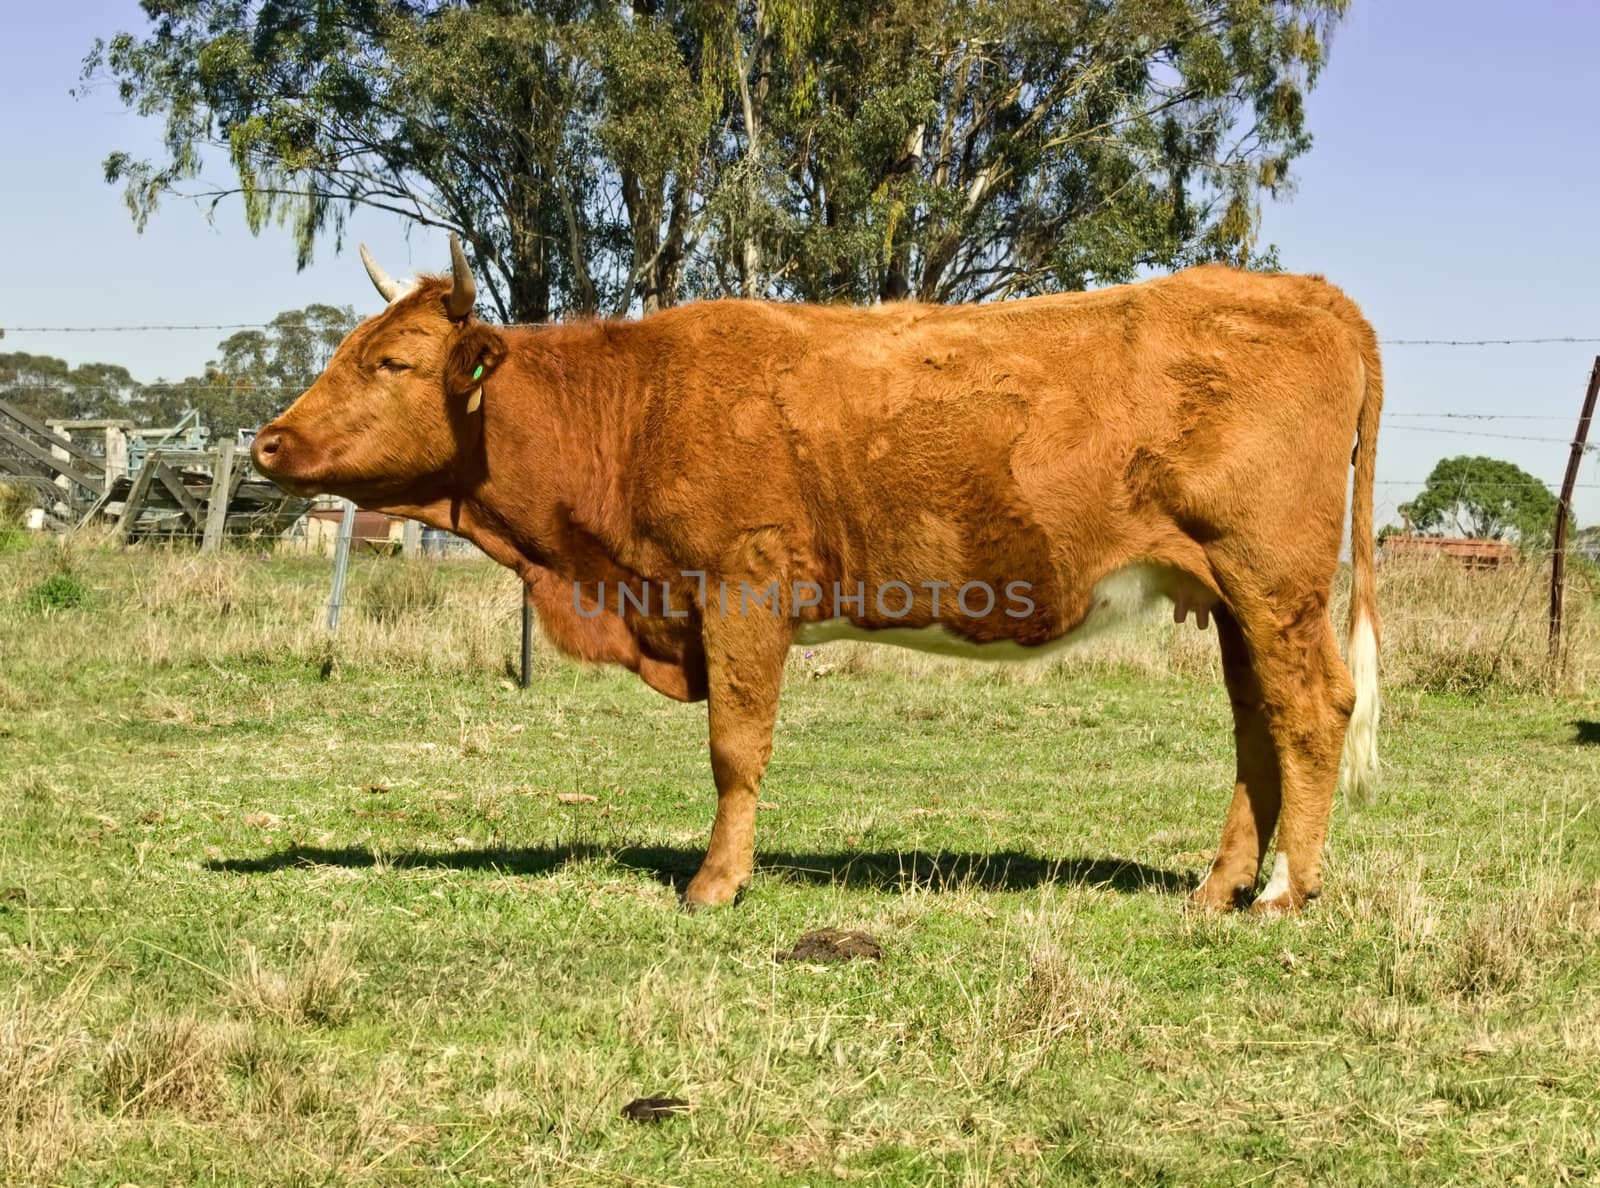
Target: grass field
[(275, 910)]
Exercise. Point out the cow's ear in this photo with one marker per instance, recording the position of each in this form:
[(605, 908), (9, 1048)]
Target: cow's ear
[(474, 355)]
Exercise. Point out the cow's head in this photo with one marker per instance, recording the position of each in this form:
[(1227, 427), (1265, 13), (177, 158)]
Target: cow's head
[(398, 401)]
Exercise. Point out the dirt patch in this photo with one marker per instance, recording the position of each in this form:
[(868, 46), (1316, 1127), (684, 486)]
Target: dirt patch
[(654, 1109), (828, 945)]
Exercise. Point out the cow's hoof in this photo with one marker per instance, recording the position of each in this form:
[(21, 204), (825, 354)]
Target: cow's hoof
[(1283, 896), (1221, 897), (703, 892), (1281, 905), (1289, 903), (1223, 893)]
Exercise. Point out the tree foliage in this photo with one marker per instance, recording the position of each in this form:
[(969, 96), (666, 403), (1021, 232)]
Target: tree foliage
[(53, 389), (260, 371), (1485, 498), (257, 373), (604, 157)]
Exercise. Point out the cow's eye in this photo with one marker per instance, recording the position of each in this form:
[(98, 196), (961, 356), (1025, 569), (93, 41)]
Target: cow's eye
[(393, 365)]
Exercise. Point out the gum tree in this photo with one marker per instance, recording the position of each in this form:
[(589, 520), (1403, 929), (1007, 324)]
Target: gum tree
[(607, 158), (1485, 498)]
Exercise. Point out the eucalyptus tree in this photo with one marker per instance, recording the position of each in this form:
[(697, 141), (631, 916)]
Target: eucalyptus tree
[(615, 157)]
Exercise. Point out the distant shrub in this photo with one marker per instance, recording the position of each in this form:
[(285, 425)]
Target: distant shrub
[(58, 592), (12, 538), (15, 500), (63, 588)]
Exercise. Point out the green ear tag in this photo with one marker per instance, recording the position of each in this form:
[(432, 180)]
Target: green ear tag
[(478, 374)]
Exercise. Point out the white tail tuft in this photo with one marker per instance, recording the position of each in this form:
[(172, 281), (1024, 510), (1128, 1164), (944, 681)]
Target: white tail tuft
[(1359, 775)]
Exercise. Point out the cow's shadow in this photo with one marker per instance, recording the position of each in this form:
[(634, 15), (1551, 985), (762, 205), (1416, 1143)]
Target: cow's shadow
[(879, 870), (1586, 733)]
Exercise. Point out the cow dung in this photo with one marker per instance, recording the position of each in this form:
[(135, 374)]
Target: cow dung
[(827, 945), (653, 1109)]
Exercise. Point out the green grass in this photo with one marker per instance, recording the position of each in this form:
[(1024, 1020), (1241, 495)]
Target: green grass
[(261, 927)]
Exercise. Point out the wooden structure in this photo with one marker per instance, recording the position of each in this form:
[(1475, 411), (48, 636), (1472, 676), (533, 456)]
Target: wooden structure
[(1470, 553), (138, 481), (68, 478), (197, 494)]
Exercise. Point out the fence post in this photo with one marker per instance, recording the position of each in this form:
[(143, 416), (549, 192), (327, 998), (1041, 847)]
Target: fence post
[(217, 502), (1558, 562), (65, 458), (134, 504), (116, 453), (411, 539), (527, 640), (341, 563)]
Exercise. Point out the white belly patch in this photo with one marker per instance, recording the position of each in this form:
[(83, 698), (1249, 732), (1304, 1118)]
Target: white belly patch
[(1118, 598)]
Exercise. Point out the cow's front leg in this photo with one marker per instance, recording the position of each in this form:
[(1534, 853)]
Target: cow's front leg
[(744, 664)]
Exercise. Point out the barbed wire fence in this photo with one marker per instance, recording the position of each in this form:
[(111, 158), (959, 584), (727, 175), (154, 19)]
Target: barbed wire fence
[(1393, 419), (1402, 421), (1487, 425)]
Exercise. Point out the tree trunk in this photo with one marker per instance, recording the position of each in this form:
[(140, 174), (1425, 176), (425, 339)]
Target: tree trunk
[(528, 269), (751, 98)]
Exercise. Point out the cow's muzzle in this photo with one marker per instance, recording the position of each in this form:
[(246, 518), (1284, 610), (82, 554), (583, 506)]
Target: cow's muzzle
[(286, 458)]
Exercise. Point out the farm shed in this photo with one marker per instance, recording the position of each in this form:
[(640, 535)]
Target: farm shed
[(374, 531)]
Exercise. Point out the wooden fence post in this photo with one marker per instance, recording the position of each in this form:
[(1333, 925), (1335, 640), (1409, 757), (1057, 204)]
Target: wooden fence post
[(116, 455), (217, 502), (136, 497), (61, 455), (1558, 563), (411, 539)]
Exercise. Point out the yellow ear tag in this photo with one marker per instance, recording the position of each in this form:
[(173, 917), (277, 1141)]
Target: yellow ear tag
[(476, 399)]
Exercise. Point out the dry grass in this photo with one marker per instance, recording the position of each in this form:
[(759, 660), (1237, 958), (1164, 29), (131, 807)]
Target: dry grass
[(1452, 630), (397, 592), (41, 1047), (1445, 629), (166, 606), (162, 1062), (314, 987), (1054, 1006), (1508, 945), (1481, 944), (1059, 1000), (190, 584), (15, 500)]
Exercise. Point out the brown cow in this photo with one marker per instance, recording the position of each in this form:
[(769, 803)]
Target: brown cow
[(691, 494)]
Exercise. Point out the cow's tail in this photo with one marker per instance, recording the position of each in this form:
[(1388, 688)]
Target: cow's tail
[(1360, 765)]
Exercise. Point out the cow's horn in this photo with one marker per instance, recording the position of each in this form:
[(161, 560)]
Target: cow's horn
[(464, 296), (385, 283)]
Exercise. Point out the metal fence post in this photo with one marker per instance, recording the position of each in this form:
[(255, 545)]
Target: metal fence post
[(341, 563), (527, 641)]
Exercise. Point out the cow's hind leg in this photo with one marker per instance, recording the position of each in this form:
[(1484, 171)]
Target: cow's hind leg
[(1257, 791), (744, 664), (1308, 697)]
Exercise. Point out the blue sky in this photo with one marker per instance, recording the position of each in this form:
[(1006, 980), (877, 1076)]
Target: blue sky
[(1452, 191)]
